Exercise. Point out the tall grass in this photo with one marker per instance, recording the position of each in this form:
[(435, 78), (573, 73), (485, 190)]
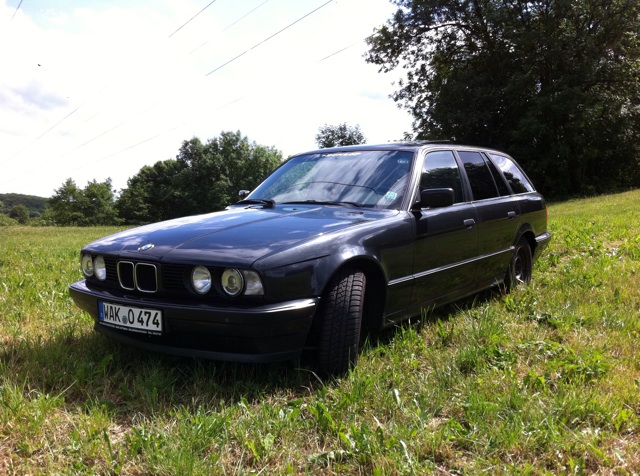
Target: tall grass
[(541, 381)]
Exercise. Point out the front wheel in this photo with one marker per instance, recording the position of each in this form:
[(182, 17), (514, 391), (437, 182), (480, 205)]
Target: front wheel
[(520, 267), (340, 317)]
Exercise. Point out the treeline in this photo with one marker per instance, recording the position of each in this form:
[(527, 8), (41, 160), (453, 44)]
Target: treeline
[(19, 208), (204, 177)]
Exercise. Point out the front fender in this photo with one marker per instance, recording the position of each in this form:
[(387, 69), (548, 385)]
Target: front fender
[(303, 271), (309, 278)]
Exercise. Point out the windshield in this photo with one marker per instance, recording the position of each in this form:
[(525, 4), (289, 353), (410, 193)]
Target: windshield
[(363, 178)]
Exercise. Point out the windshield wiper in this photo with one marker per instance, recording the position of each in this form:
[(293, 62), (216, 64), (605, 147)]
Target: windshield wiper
[(327, 202), (257, 201)]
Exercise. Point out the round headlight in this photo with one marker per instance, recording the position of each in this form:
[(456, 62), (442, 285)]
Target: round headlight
[(87, 265), (201, 279), (232, 281), (99, 268)]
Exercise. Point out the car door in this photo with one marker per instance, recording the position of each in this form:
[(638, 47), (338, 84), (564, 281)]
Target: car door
[(446, 238), (498, 216)]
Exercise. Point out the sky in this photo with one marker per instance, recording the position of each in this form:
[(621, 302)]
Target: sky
[(97, 89)]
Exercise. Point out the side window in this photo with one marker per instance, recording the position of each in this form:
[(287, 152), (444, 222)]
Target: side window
[(497, 177), (516, 178), (441, 170), (482, 184)]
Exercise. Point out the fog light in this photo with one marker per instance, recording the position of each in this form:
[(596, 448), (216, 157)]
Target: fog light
[(201, 279), (87, 265), (232, 281)]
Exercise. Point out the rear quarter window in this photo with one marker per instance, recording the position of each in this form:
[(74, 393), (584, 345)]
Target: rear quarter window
[(479, 175), (497, 177), (515, 176)]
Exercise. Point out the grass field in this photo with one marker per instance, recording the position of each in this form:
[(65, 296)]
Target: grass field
[(545, 380)]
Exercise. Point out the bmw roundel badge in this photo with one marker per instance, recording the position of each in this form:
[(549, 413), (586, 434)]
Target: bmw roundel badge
[(146, 247)]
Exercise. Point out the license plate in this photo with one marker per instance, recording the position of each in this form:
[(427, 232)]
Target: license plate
[(135, 319)]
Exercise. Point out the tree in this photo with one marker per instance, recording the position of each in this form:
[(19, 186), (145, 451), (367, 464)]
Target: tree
[(151, 195), (215, 172), (20, 213), (554, 82), (65, 204), (342, 134), (91, 206), (203, 178), (99, 204)]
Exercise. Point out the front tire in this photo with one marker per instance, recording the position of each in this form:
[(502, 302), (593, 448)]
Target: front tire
[(520, 267), (340, 317)]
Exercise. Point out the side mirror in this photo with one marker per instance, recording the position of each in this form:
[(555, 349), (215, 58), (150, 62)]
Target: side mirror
[(243, 194), (436, 198)]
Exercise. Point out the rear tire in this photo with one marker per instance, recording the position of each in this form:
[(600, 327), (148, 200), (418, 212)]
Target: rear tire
[(520, 267), (340, 323)]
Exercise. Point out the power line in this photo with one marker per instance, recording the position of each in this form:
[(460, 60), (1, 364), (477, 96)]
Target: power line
[(222, 66), (190, 19), (339, 51), (211, 72), (246, 15), (17, 8), (268, 38), (227, 104), (163, 99), (231, 25), (40, 136)]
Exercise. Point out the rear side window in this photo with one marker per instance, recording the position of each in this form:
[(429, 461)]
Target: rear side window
[(441, 170), (480, 178), (497, 177), (516, 178)]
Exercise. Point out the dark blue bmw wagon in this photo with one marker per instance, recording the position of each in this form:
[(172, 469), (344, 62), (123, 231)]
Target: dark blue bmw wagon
[(333, 241)]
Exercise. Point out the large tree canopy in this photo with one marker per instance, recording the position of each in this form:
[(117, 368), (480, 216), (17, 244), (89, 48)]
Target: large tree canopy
[(151, 195), (555, 82), (74, 206), (203, 178)]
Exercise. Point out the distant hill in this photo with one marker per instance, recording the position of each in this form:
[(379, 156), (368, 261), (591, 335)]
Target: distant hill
[(36, 205)]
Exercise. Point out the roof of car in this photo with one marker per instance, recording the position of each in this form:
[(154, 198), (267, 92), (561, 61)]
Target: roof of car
[(400, 145)]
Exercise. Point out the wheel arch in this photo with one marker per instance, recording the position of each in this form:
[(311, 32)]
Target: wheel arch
[(528, 234), (374, 298), (375, 295)]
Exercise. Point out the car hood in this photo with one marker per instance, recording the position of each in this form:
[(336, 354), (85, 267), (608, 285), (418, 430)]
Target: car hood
[(238, 236)]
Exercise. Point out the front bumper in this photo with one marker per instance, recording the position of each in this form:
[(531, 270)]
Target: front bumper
[(258, 333)]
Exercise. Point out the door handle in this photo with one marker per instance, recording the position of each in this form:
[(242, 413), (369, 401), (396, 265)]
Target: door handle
[(469, 222), (511, 215)]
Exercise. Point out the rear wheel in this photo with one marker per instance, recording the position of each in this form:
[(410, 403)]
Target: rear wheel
[(520, 267), (340, 323)]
